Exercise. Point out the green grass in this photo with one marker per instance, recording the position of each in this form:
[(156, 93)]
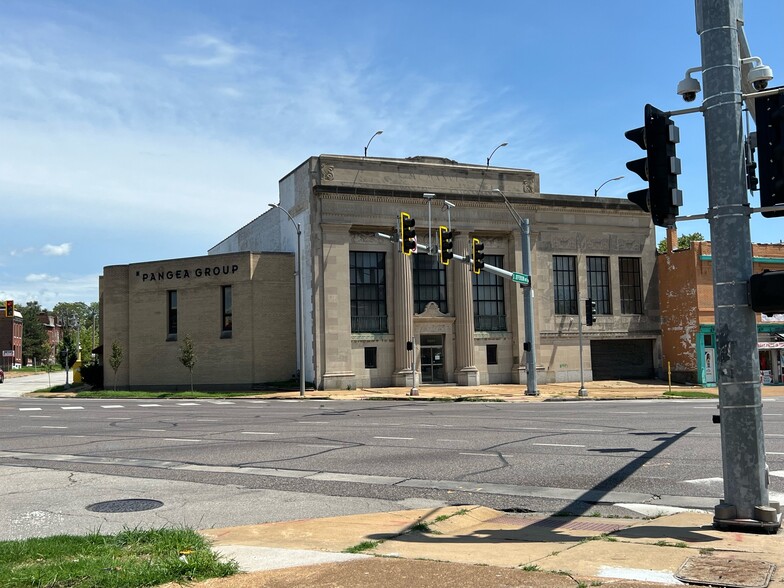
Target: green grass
[(131, 558), (530, 568), (362, 547), (680, 544), (690, 394)]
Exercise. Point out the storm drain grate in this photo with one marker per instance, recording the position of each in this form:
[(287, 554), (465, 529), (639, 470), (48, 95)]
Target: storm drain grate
[(727, 572), (573, 524), (125, 505)]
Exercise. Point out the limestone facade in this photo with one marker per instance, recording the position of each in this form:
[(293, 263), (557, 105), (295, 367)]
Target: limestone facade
[(344, 202)]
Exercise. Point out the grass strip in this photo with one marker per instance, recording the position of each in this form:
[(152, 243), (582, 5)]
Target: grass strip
[(131, 558), (690, 394)]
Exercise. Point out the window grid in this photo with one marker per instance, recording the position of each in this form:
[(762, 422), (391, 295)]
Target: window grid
[(429, 283), (631, 285), (565, 284), (226, 305), (488, 295), (367, 271), (171, 313), (599, 283)]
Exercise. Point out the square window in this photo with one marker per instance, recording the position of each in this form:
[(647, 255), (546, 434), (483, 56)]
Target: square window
[(492, 355), (370, 358)]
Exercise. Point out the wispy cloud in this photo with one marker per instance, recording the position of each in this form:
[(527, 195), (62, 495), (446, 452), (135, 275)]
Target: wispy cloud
[(205, 51), (41, 278), (23, 251), (57, 250)]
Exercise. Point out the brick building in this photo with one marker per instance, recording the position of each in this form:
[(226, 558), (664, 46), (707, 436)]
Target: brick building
[(11, 341), (687, 314)]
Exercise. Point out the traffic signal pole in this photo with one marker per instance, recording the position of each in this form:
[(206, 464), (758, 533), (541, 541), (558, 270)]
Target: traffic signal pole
[(745, 504)]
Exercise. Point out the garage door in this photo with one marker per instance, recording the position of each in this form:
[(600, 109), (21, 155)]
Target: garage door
[(624, 359)]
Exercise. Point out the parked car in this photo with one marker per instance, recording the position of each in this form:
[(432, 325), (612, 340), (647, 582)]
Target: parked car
[(2, 376)]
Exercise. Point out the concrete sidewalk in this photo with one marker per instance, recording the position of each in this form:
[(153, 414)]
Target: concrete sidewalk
[(478, 546)]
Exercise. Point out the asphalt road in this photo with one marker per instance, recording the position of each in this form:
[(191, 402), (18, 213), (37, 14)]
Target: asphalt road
[(528, 456)]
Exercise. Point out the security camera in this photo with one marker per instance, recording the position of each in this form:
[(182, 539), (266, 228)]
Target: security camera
[(688, 87), (759, 75)]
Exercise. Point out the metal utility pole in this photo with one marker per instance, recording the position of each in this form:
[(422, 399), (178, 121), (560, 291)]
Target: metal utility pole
[(745, 503)]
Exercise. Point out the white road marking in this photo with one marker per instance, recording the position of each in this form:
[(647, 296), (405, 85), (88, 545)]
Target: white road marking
[(154, 430), (625, 412), (188, 440), (557, 445), (72, 407), (112, 406), (258, 433), (774, 453), (220, 402), (774, 435), (396, 438), (40, 416), (480, 454), (704, 480), (207, 420), (52, 427), (583, 430), (772, 414), (118, 418), (77, 436), (778, 473), (23, 409), (313, 422), (188, 404), (148, 405)]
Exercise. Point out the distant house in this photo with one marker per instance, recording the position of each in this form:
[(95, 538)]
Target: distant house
[(11, 341), (687, 314), (54, 331)]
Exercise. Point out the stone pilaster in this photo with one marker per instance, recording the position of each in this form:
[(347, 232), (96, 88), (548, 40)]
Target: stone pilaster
[(404, 318), (465, 370)]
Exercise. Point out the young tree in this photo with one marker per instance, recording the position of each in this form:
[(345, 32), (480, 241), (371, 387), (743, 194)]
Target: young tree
[(187, 356), (34, 338), (115, 360), (683, 242)]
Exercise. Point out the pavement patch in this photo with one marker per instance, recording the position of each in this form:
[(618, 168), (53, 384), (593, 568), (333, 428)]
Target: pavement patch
[(726, 571)]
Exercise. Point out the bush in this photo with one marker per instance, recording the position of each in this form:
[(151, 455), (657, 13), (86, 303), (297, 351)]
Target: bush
[(92, 375)]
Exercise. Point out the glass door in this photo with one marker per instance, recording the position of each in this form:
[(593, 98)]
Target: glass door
[(431, 348)]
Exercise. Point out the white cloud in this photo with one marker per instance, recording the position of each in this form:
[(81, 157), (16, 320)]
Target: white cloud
[(41, 278), (210, 52), (58, 250), (15, 252)]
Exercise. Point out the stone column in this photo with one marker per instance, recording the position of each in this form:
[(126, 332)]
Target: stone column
[(465, 370), (404, 317)]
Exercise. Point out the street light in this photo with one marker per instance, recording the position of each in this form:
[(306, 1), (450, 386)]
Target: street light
[(528, 300), (376, 134), (596, 191), (504, 144), (300, 299)]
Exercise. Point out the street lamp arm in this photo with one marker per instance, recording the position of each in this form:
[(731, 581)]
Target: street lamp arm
[(279, 207), (596, 191), (504, 144), (376, 134)]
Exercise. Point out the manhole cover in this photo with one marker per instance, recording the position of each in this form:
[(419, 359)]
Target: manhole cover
[(728, 572), (125, 505)]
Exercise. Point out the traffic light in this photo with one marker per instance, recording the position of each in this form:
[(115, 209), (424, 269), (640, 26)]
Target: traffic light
[(766, 292), (660, 167), (407, 233), (445, 244), (770, 151), (477, 255), (590, 312), (9, 309)]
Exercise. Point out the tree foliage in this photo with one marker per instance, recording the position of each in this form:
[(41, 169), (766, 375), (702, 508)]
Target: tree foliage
[(67, 350), (35, 341), (187, 356), (116, 359), (684, 242)]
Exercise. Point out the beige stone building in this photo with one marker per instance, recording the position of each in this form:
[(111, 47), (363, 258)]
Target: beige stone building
[(364, 300), (238, 309)]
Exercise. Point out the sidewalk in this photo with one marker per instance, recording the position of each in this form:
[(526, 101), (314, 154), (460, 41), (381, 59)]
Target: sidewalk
[(599, 390), (478, 546)]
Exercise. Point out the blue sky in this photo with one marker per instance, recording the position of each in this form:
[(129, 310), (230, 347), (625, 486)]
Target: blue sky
[(135, 131)]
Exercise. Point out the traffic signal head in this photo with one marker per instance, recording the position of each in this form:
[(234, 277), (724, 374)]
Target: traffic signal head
[(590, 312), (770, 151), (766, 292), (445, 245), (660, 167), (477, 255), (407, 233), (9, 309)]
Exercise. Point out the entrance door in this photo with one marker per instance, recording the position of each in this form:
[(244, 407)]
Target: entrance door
[(431, 348), (710, 365)]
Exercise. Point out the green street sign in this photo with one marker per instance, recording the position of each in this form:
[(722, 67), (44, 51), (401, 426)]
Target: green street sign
[(523, 279)]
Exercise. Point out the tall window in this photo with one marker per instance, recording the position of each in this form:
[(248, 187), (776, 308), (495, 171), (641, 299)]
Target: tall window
[(565, 284), (171, 314), (226, 306), (367, 271), (631, 285), (599, 283), (488, 293), (429, 283)]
